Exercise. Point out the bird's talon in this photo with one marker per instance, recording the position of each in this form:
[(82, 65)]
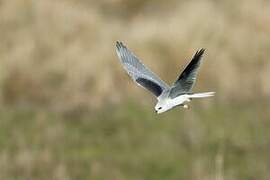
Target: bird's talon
[(186, 106)]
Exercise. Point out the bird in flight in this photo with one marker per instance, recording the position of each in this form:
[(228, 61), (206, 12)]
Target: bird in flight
[(179, 94)]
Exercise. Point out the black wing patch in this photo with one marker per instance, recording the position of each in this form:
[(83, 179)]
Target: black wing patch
[(193, 65), (187, 78), (150, 85)]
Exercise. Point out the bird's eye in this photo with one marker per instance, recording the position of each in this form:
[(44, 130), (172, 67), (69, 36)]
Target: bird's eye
[(159, 108)]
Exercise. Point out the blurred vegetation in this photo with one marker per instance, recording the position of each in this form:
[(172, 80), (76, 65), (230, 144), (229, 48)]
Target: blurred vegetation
[(129, 142), (69, 111)]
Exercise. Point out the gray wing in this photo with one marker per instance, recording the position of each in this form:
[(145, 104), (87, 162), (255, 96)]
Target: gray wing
[(187, 78), (138, 72)]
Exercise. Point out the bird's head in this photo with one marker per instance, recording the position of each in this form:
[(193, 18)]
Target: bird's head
[(163, 106)]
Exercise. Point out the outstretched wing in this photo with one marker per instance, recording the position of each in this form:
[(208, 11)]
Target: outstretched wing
[(187, 78), (138, 72)]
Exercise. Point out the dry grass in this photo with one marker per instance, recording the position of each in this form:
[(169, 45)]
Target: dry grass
[(53, 50)]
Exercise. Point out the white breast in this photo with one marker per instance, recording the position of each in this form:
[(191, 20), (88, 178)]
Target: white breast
[(179, 100)]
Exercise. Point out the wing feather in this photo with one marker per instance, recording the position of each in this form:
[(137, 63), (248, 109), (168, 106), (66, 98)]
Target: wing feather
[(139, 72)]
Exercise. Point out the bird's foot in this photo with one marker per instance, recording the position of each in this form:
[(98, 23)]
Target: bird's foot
[(186, 106)]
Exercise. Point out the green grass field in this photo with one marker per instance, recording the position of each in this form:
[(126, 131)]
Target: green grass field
[(132, 142)]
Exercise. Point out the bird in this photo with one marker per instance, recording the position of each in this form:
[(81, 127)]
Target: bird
[(168, 97)]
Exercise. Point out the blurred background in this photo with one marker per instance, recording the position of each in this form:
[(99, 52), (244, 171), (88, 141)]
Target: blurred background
[(68, 110)]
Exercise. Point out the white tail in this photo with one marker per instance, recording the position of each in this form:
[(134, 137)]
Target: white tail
[(201, 95)]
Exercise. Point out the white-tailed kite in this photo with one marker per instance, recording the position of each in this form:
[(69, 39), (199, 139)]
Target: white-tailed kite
[(168, 96)]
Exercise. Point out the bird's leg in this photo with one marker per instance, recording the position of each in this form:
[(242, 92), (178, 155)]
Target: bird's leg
[(186, 106)]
